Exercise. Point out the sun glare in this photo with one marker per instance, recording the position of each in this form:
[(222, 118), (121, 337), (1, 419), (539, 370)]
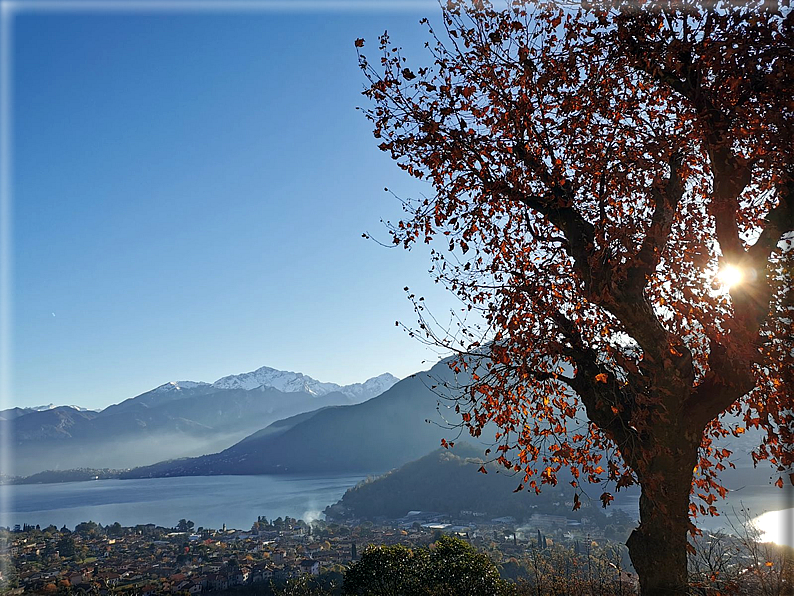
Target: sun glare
[(775, 526), (730, 275)]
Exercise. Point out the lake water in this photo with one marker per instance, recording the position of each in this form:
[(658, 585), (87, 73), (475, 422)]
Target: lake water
[(771, 509), (236, 501), (209, 501)]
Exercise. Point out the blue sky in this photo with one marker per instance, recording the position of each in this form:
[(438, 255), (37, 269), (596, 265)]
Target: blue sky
[(190, 191)]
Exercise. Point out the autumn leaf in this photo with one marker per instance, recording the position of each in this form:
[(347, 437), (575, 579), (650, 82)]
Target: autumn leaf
[(359, 43), (572, 210)]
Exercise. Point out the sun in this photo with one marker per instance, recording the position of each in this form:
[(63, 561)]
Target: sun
[(730, 275)]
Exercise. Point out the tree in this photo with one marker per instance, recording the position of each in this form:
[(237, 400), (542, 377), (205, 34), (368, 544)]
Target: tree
[(89, 528), (385, 571), (115, 529), (613, 187), (305, 586), (451, 566), (66, 546)]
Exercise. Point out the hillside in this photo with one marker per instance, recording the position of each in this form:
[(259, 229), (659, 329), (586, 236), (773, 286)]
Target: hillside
[(400, 425), (372, 437), (448, 482)]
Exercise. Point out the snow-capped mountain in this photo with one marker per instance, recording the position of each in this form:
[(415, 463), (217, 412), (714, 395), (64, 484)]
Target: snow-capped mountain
[(286, 382), (291, 382), (53, 406), (179, 386), (177, 419), (371, 387)]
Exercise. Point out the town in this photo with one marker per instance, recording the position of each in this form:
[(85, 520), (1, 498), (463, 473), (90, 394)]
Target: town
[(147, 559)]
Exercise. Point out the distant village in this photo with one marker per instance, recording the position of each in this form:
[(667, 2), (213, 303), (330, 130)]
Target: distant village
[(146, 559)]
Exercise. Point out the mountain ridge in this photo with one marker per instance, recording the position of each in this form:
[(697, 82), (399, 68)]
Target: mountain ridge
[(177, 419), (373, 436)]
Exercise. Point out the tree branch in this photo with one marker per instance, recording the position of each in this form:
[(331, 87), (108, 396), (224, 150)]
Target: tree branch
[(666, 202)]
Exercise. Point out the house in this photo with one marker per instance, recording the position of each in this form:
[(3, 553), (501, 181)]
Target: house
[(310, 567), (261, 574), (278, 556), (108, 578), (285, 573), (217, 581)]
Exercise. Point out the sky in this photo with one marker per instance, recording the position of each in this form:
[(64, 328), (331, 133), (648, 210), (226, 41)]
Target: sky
[(190, 190)]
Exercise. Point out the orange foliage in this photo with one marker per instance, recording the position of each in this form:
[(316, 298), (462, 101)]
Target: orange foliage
[(592, 169)]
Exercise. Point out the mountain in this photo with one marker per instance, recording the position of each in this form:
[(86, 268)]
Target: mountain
[(448, 482), (289, 382), (260, 379), (52, 423), (53, 406), (12, 413), (177, 419), (401, 424)]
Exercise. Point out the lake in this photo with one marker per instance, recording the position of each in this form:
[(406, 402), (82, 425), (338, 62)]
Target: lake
[(771, 508), (236, 501), (209, 501)]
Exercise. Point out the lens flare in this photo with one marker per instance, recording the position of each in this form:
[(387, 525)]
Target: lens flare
[(775, 526), (730, 275)]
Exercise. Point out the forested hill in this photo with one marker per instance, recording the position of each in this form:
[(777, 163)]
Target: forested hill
[(448, 482)]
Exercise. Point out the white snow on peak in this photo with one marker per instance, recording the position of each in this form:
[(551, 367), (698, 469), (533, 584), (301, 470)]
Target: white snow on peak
[(53, 406), (371, 387), (278, 379), (290, 382), (179, 386)]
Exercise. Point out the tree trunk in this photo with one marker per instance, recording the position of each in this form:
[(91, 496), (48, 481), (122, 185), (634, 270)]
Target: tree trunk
[(658, 546)]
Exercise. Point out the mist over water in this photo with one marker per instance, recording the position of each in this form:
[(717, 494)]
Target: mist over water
[(119, 454)]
